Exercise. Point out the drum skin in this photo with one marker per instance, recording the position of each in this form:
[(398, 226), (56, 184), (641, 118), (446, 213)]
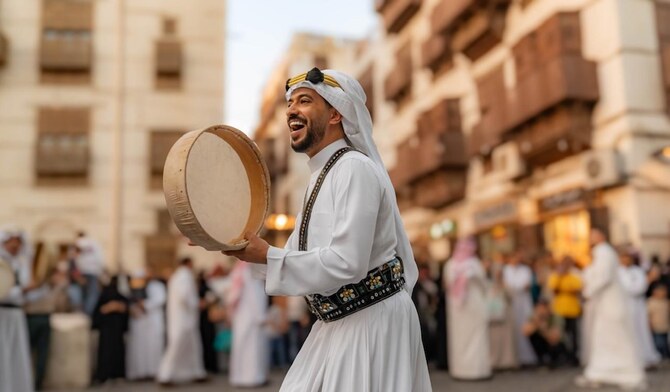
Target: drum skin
[(227, 187)]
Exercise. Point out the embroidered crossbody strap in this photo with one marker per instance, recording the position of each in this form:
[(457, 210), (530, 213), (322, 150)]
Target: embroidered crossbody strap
[(309, 203)]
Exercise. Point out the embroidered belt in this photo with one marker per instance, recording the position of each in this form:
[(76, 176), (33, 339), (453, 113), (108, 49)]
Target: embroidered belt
[(380, 283)]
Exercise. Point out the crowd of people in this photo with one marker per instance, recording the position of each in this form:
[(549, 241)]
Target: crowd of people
[(172, 329), (611, 317), (479, 316)]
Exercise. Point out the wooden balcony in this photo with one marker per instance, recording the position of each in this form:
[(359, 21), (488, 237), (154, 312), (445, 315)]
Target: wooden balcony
[(397, 13), (62, 155), (67, 15), (564, 131), (436, 53), (4, 49), (168, 57), (479, 33), (66, 53), (398, 83), (443, 117), (448, 11), (440, 188)]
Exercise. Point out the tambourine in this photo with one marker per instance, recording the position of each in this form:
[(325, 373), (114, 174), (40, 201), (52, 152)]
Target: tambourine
[(217, 187)]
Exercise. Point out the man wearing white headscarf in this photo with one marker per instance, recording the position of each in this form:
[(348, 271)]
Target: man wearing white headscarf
[(15, 366), (349, 255), (469, 357)]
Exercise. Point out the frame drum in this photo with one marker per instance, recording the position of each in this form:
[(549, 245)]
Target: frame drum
[(216, 187), (6, 279)]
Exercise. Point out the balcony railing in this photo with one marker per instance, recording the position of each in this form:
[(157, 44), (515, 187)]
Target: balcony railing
[(398, 83), (440, 188), (66, 52), (397, 13)]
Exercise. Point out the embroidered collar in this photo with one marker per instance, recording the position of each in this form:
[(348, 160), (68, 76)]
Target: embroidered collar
[(319, 160)]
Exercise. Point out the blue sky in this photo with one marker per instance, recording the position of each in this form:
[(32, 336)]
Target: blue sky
[(258, 31)]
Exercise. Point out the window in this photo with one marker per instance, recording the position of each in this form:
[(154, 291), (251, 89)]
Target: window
[(66, 44), (168, 57), (62, 150), (161, 142)]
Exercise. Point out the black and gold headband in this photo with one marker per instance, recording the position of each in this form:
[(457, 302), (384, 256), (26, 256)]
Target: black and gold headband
[(314, 76)]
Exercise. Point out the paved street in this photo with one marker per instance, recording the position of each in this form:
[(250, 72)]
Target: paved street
[(522, 381)]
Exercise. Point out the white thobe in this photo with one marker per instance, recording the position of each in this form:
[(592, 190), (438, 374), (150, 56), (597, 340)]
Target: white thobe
[(249, 355), (517, 280), (146, 335), (351, 231), (634, 282), (611, 355), (182, 360), (15, 365), (469, 350)]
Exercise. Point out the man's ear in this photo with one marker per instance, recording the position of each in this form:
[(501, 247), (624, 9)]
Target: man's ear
[(335, 116)]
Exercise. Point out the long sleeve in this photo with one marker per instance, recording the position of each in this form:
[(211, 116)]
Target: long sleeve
[(323, 269)]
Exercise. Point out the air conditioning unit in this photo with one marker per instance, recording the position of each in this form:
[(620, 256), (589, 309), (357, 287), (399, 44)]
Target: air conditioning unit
[(601, 168), (507, 161)]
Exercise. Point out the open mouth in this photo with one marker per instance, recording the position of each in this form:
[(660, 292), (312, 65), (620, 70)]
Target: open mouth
[(296, 126)]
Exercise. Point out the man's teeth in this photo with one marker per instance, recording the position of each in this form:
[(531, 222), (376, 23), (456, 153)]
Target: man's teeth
[(296, 124)]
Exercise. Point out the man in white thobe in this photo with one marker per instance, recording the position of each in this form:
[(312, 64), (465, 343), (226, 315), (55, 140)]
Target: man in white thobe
[(611, 356), (348, 255), (15, 366), (182, 360), (469, 350), (146, 331), (517, 278), (634, 281), (247, 303), (91, 263)]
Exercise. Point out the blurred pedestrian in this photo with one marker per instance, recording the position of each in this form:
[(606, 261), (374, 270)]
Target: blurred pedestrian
[(90, 263), (658, 308), (15, 368), (182, 360), (249, 358), (658, 273), (425, 300), (277, 329), (565, 287), (501, 322), (207, 328), (545, 332), (146, 334), (299, 325), (634, 281), (110, 318), (609, 350), (517, 278), (469, 351)]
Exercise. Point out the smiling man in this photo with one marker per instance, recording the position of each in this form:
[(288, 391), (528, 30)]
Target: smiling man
[(349, 256)]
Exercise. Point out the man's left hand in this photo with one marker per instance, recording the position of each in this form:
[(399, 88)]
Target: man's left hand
[(255, 252)]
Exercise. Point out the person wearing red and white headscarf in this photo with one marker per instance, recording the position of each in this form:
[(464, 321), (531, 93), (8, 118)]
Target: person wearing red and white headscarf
[(465, 280)]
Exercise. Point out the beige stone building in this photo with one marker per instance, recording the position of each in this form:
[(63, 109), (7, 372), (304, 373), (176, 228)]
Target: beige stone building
[(523, 122), (92, 95), (532, 120)]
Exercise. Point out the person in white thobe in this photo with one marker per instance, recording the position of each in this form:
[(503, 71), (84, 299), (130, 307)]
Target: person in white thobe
[(146, 333), (182, 360), (354, 228), (469, 350), (247, 304), (517, 279), (610, 352), (634, 281), (15, 366)]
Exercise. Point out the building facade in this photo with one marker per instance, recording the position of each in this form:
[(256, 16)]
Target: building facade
[(530, 121), (93, 94), (523, 122)]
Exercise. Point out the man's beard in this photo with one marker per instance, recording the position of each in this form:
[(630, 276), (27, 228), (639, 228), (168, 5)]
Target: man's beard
[(313, 136)]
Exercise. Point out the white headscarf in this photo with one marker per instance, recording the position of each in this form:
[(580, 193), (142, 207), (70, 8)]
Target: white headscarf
[(349, 101)]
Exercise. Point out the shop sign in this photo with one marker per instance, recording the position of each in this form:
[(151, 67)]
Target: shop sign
[(563, 199), (496, 214)]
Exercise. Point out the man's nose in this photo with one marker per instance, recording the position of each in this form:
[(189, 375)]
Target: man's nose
[(291, 109)]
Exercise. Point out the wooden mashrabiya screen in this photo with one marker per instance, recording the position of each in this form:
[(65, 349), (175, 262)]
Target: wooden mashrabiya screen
[(216, 187)]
